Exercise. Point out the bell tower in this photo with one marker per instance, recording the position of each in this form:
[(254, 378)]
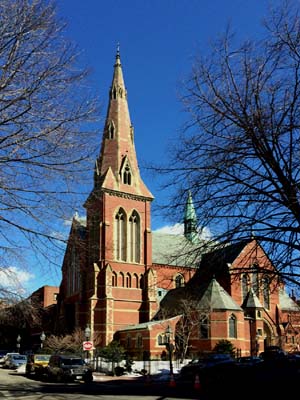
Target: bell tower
[(119, 250)]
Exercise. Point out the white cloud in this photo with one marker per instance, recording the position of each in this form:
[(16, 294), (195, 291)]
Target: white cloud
[(178, 229), (15, 279)]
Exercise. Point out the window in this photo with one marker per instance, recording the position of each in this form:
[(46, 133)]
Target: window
[(135, 281), (139, 341), (127, 175), (128, 342), (179, 281), (111, 130), (160, 340), (142, 282), (122, 279), (114, 279), (73, 272), (128, 280), (266, 291), (232, 327), (134, 237), (204, 327), (255, 280), (245, 285), (120, 235)]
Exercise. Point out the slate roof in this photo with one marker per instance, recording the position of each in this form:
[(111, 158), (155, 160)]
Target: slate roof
[(286, 303), (175, 250), (211, 297), (251, 300), (226, 253), (215, 297)]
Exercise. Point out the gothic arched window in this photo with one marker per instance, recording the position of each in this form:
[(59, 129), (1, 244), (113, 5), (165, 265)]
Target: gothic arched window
[(120, 235), (134, 237), (179, 281), (255, 279), (204, 327), (266, 291), (127, 175), (232, 326), (245, 285), (128, 280), (111, 130), (114, 279)]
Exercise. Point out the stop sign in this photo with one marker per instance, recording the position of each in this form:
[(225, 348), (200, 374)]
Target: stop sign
[(87, 345)]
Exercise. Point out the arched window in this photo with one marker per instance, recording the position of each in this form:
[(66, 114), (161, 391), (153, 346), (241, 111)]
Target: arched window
[(160, 340), (127, 175), (73, 279), (128, 280), (128, 341), (120, 235), (122, 280), (134, 237), (135, 281), (204, 327), (114, 279), (245, 285), (111, 130), (232, 326), (179, 281), (266, 291), (255, 280), (139, 341), (142, 282)]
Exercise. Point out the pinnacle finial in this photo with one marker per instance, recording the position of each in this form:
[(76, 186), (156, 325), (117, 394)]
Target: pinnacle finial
[(118, 61)]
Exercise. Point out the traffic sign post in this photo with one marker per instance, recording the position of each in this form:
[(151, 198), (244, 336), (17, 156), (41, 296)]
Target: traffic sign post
[(87, 345)]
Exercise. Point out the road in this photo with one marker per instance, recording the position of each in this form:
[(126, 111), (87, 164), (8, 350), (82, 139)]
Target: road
[(17, 386)]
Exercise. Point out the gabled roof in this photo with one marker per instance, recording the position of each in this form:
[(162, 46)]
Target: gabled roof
[(226, 253), (216, 298), (212, 297), (251, 300), (286, 303), (174, 250)]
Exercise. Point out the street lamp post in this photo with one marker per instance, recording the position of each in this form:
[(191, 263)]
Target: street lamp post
[(87, 333), (170, 347), (42, 337), (18, 343)]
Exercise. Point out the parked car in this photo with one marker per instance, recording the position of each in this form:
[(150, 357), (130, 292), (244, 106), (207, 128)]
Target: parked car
[(201, 365), (273, 353), (249, 361), (14, 360), (68, 368), (37, 364), (2, 356)]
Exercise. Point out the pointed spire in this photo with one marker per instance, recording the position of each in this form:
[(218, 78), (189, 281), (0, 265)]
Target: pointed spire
[(117, 166), (190, 220)]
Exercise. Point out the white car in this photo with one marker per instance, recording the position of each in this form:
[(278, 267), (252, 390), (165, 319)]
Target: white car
[(14, 360)]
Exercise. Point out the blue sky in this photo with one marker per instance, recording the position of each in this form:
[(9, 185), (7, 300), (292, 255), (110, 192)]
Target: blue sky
[(158, 41)]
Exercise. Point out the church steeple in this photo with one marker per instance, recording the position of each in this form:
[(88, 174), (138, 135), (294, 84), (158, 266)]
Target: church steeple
[(117, 167), (190, 220)]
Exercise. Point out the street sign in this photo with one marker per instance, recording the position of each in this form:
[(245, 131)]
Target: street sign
[(87, 345)]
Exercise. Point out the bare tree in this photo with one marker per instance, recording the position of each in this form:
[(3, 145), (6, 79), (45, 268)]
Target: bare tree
[(239, 153), (47, 131)]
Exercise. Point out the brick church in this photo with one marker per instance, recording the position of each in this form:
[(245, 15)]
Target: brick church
[(133, 285)]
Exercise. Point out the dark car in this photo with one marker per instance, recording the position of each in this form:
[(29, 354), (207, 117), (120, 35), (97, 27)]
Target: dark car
[(200, 366), (273, 353), (68, 368), (249, 361)]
